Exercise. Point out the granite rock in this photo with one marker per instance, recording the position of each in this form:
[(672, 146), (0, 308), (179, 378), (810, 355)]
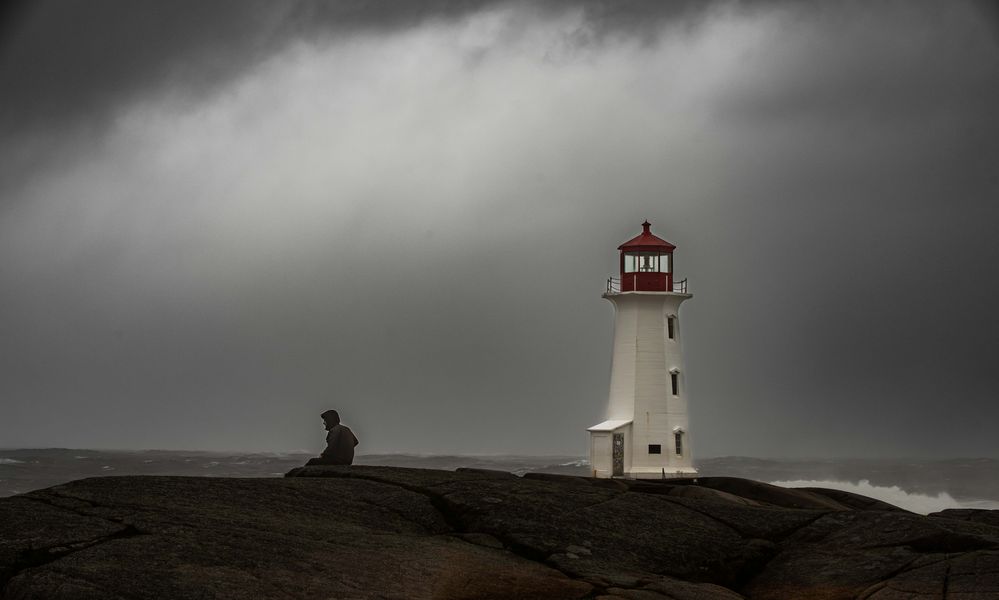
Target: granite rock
[(385, 532)]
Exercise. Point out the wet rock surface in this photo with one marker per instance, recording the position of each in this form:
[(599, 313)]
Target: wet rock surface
[(385, 532)]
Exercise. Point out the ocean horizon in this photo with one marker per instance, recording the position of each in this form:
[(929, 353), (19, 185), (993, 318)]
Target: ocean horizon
[(919, 485)]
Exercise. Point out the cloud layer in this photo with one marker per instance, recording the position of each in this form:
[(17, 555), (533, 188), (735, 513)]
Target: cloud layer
[(409, 215)]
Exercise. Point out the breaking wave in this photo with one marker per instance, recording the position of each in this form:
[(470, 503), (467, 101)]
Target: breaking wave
[(911, 501)]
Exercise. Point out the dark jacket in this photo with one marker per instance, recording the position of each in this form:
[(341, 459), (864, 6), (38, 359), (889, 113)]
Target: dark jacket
[(340, 442)]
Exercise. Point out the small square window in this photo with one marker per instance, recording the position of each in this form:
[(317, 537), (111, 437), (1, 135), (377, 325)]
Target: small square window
[(655, 449)]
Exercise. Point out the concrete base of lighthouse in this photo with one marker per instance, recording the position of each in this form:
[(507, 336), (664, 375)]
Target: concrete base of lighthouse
[(611, 454), (646, 434)]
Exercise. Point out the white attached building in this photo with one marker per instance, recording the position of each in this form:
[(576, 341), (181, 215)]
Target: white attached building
[(646, 434)]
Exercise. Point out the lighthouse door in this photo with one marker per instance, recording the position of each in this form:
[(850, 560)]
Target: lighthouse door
[(618, 455)]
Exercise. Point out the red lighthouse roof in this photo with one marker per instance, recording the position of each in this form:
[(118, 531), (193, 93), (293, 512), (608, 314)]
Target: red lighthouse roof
[(647, 241)]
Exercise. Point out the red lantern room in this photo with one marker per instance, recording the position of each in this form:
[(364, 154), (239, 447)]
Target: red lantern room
[(647, 264)]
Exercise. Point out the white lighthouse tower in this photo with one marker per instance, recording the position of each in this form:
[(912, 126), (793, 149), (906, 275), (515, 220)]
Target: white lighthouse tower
[(646, 434)]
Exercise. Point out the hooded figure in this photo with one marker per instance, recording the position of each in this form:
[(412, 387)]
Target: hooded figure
[(340, 441)]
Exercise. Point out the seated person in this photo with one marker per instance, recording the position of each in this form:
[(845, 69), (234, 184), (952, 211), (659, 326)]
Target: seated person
[(340, 442)]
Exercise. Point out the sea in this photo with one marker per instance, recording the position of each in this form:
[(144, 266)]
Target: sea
[(921, 486)]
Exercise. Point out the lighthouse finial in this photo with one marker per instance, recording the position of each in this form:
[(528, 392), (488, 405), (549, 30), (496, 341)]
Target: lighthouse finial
[(646, 225)]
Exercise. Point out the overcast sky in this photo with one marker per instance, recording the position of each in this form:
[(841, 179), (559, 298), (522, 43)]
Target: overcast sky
[(219, 219)]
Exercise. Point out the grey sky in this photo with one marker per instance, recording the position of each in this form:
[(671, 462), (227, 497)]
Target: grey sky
[(218, 220)]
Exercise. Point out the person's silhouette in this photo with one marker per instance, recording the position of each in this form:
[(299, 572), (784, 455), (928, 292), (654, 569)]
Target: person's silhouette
[(340, 442)]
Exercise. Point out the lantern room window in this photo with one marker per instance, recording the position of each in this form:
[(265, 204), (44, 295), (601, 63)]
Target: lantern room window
[(647, 262)]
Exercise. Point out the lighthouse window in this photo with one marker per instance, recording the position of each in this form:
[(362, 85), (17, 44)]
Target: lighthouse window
[(639, 262), (655, 449), (646, 262), (675, 380), (670, 328), (678, 437)]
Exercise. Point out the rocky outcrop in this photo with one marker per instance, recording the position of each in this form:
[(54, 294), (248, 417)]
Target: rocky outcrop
[(384, 532)]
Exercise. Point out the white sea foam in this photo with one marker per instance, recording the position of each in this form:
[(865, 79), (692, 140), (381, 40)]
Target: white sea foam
[(11, 461), (917, 503)]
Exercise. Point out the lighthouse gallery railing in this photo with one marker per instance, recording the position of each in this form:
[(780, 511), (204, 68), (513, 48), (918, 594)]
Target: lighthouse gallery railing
[(614, 286)]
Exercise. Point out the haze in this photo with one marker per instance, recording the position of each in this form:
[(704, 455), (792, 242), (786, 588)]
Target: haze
[(219, 220)]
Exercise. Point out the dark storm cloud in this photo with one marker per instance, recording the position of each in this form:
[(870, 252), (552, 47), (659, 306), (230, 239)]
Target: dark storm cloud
[(79, 59), (238, 213), (71, 64), (67, 67)]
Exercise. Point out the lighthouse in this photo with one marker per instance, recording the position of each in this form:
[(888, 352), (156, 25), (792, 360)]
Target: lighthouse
[(646, 433)]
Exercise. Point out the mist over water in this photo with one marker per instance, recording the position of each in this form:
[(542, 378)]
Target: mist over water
[(915, 502), (918, 486), (23, 470)]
